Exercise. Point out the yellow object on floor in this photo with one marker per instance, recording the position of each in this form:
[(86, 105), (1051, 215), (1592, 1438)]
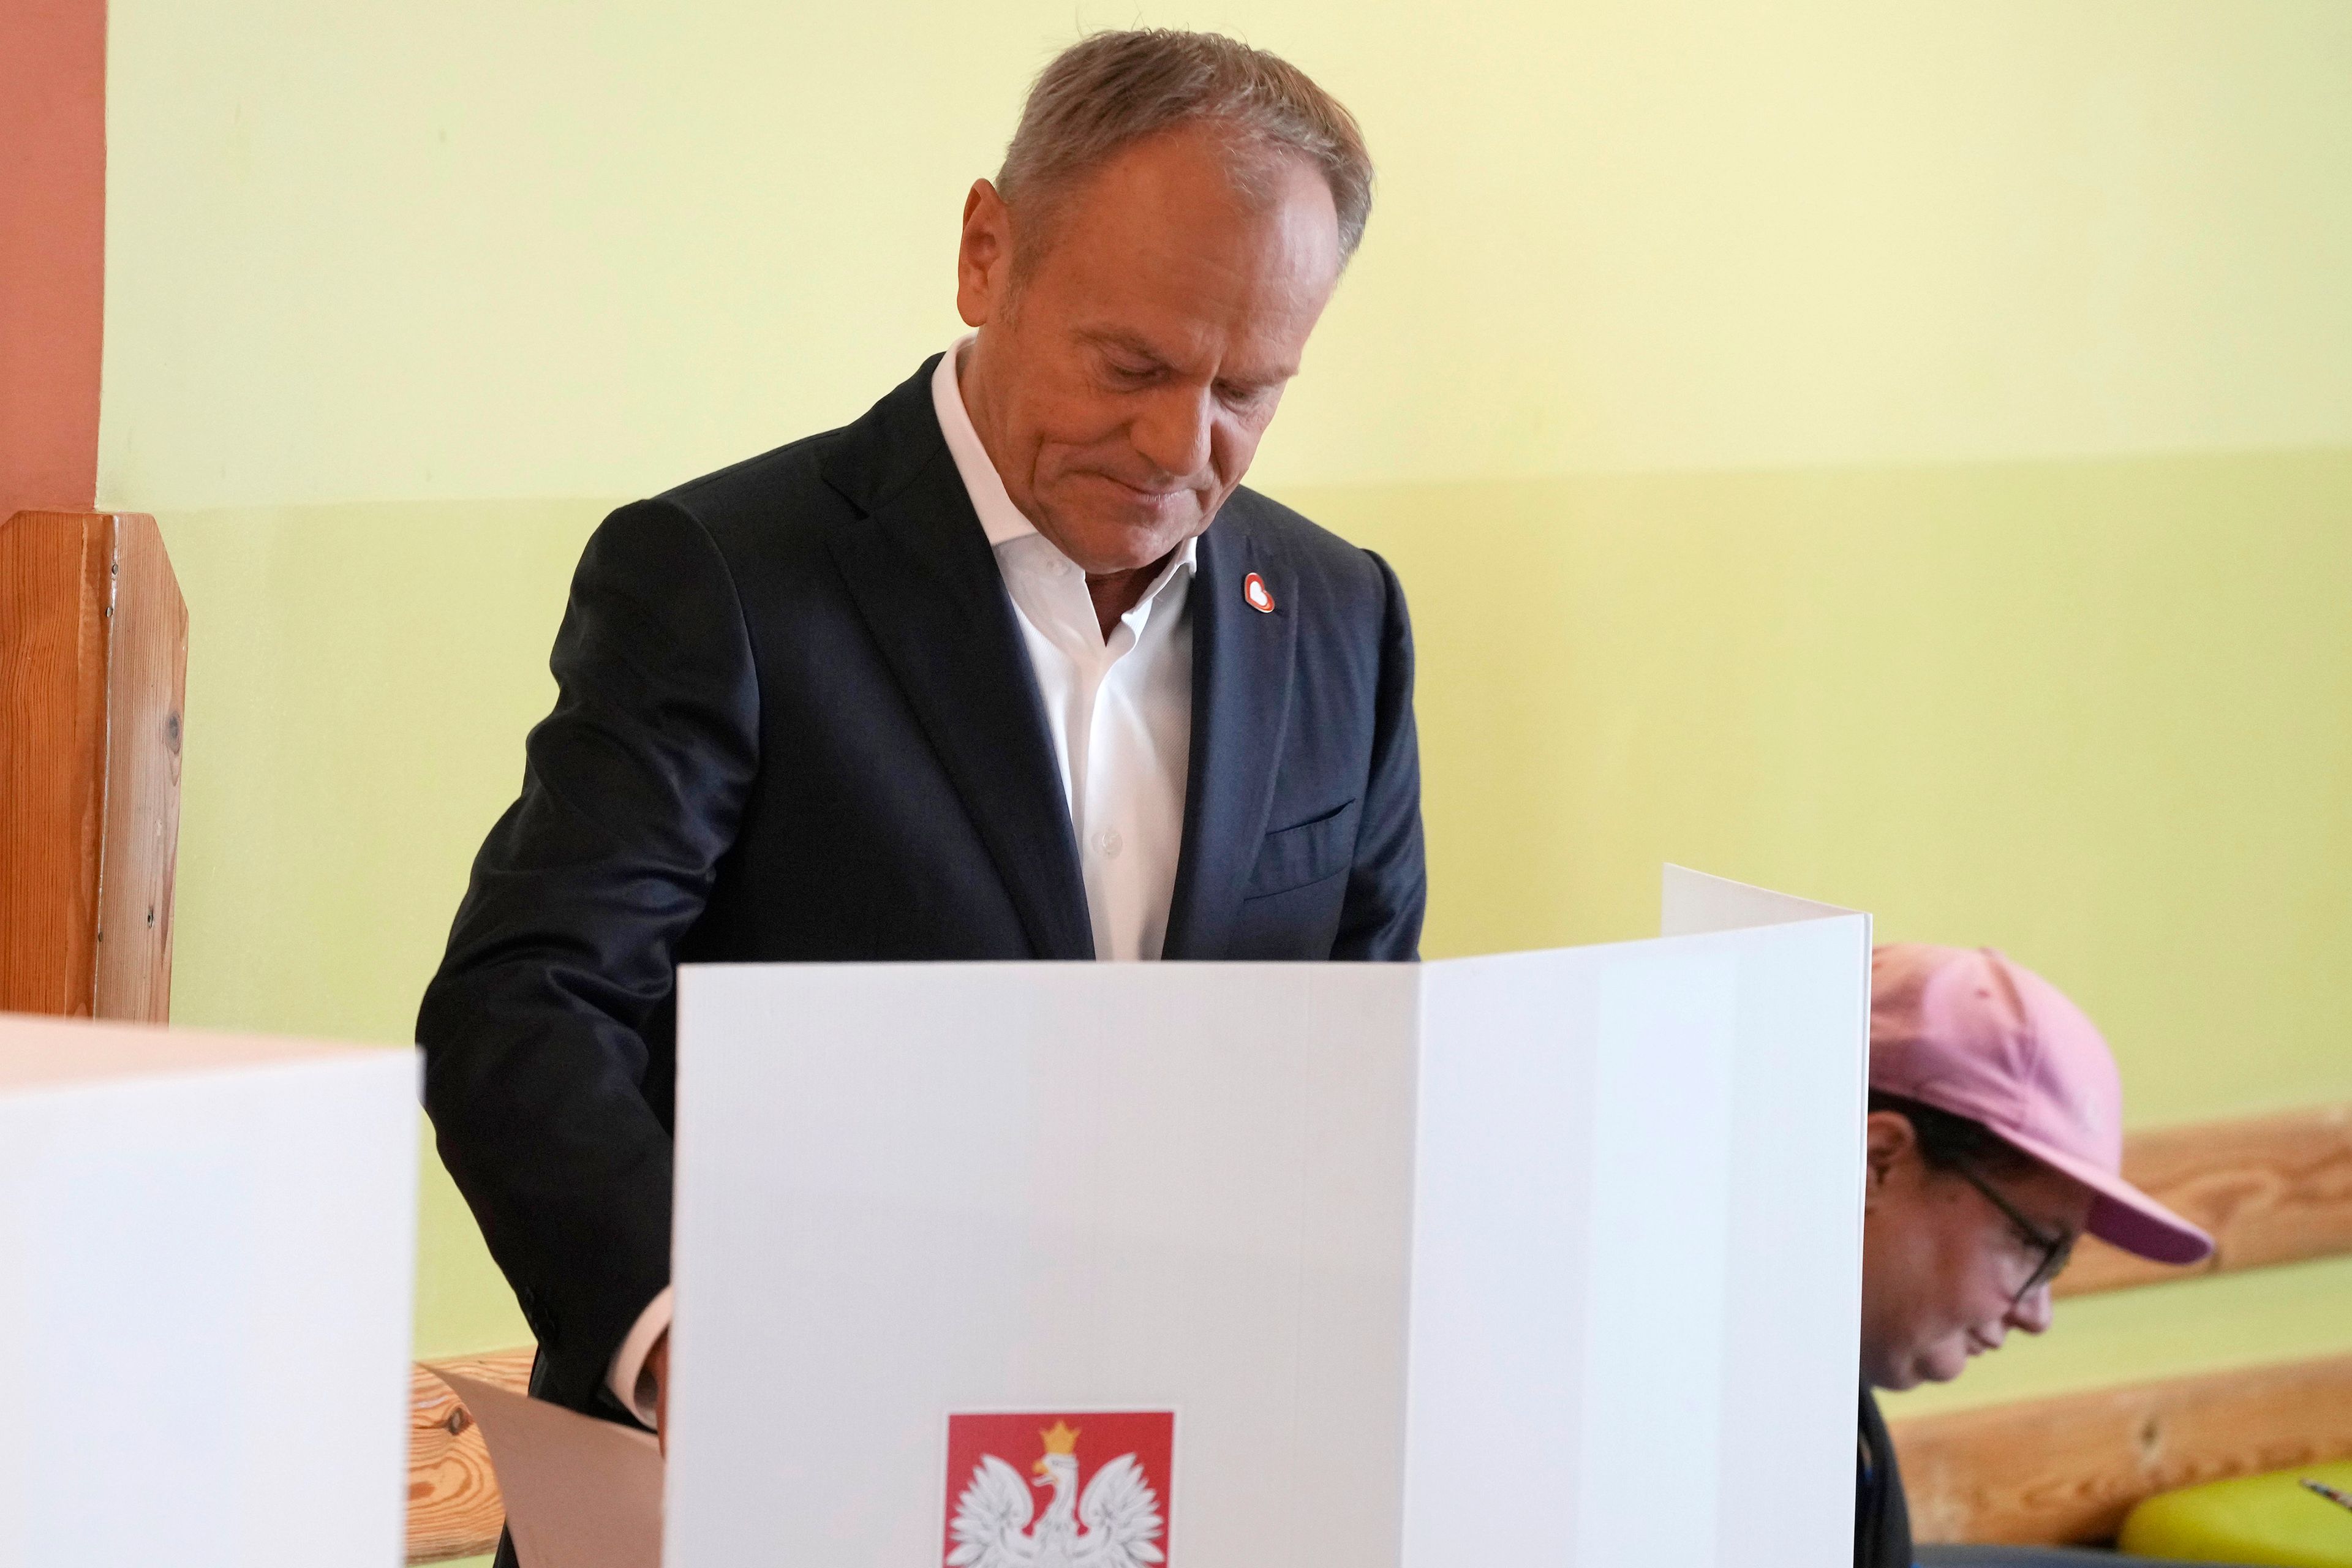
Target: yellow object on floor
[(2274, 1520)]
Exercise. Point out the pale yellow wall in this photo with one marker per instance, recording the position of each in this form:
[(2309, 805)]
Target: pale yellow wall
[(450, 249), (387, 286)]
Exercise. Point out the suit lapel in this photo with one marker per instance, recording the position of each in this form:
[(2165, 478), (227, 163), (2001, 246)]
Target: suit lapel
[(1242, 660), (923, 577)]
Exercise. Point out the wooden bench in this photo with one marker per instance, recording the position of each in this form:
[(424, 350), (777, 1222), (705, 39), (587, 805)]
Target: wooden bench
[(2272, 1190)]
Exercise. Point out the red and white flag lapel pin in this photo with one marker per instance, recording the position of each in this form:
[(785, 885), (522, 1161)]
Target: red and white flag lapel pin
[(1260, 597)]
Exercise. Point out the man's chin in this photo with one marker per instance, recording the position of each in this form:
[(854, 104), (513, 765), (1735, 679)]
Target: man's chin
[(1101, 546)]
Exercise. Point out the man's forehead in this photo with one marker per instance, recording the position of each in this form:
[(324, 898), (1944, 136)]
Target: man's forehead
[(1163, 214)]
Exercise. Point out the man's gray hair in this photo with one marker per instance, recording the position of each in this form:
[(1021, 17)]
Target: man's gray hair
[(1108, 91)]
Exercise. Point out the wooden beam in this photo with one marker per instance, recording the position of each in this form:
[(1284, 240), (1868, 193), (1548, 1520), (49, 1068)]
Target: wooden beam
[(2272, 1189), (93, 668), (453, 1497), (146, 693), (2067, 1470)]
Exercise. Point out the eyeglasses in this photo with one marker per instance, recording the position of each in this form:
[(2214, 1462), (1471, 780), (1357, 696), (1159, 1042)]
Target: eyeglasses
[(2055, 1249)]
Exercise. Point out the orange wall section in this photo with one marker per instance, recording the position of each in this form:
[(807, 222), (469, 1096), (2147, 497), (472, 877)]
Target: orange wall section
[(52, 249)]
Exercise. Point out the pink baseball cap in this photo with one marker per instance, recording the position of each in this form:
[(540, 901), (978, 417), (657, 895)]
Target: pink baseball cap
[(1965, 1030)]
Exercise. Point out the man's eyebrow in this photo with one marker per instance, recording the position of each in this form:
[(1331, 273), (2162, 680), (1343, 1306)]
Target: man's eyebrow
[(1272, 378), (1126, 342)]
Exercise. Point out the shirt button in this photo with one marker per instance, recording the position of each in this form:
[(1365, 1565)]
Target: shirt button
[(1109, 843), (1061, 568)]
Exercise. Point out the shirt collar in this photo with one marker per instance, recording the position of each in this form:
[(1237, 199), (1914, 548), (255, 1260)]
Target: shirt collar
[(998, 518)]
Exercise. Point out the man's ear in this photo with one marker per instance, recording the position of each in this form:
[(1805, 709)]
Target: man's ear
[(983, 256), (1889, 1139)]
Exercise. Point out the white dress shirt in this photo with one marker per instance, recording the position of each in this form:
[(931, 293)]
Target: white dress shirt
[(1120, 713)]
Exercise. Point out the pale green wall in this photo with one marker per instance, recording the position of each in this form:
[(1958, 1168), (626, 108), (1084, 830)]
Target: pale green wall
[(2095, 713), (359, 682), (2088, 712), (1787, 418)]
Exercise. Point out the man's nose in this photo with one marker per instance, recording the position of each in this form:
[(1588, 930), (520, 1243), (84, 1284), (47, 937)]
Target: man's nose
[(1172, 430), (2032, 1311)]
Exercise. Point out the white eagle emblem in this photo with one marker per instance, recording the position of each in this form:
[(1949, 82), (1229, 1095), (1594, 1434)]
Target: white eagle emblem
[(1114, 1525)]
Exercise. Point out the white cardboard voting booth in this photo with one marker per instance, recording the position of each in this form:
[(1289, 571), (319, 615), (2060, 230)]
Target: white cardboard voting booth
[(206, 1245), (1551, 1257)]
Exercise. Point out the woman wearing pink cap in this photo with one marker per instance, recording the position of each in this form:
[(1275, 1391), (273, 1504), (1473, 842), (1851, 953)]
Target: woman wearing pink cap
[(1995, 1138)]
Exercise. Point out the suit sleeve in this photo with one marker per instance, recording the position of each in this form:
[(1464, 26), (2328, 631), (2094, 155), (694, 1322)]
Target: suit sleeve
[(1388, 886), (536, 1062)]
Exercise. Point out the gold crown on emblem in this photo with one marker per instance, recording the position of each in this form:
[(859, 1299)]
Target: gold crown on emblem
[(1062, 1439)]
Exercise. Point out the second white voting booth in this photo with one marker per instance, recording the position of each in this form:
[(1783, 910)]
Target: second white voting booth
[(1551, 1257), (206, 1252)]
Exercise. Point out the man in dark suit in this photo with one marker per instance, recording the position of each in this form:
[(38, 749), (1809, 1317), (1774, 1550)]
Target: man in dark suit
[(1009, 668)]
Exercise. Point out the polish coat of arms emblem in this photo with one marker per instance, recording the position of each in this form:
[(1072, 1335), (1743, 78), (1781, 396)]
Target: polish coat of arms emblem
[(1061, 1490)]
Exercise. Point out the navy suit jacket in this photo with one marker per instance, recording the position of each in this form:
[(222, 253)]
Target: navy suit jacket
[(796, 721)]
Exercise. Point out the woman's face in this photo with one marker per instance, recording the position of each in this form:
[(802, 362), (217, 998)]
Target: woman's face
[(1942, 1266)]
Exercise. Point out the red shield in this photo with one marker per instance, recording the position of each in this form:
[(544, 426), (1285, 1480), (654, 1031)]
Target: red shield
[(1091, 1485)]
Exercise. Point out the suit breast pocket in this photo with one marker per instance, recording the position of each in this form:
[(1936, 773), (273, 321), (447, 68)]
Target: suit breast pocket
[(1308, 852)]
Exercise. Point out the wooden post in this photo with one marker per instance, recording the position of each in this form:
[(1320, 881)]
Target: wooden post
[(93, 670)]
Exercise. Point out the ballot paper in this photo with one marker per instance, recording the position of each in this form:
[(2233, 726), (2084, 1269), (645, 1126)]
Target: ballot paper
[(579, 1493)]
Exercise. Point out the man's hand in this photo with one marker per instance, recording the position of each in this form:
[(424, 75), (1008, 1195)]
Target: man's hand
[(657, 1368)]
